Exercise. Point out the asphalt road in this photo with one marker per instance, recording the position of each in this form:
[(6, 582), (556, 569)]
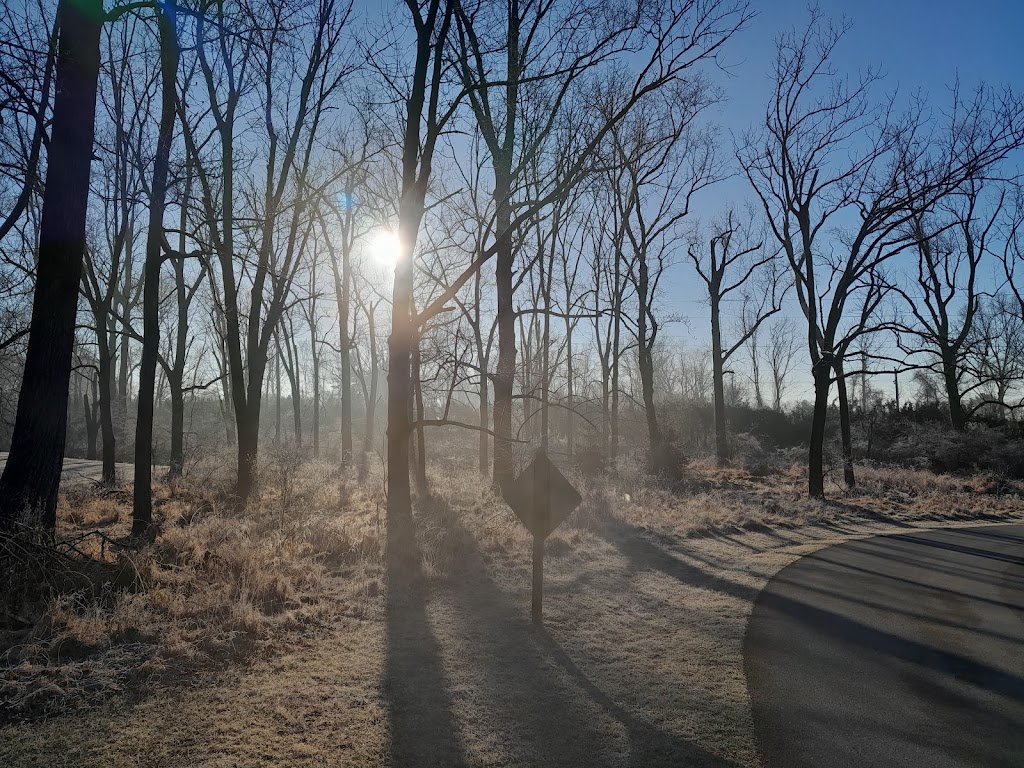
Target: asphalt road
[(902, 650), (82, 471)]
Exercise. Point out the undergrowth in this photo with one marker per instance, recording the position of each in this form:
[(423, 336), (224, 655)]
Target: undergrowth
[(90, 616)]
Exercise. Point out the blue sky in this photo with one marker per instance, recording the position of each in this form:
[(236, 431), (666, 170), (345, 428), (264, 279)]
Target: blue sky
[(918, 45)]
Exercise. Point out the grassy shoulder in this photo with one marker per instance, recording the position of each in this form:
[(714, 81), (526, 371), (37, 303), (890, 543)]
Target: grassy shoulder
[(268, 638)]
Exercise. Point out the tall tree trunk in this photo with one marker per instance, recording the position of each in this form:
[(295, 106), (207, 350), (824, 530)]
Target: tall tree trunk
[(957, 414), (844, 425), (822, 373), (401, 547), (755, 371), (293, 379), (177, 375), (718, 381), (92, 427), (177, 458), (31, 478), (248, 431), (505, 370), (371, 398), (421, 444), (123, 344), (570, 425), (545, 351), (613, 452), (485, 444), (417, 158), (142, 500), (606, 408), (277, 396), (316, 401), (344, 319), (659, 457), (108, 475)]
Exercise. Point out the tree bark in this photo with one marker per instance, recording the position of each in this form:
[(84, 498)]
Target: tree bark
[(177, 457), (718, 381), (277, 396), (108, 476), (421, 443), (142, 498), (344, 318), (92, 427), (400, 540), (645, 342), (371, 398), (504, 377), (957, 414), (248, 432), (570, 431), (844, 425), (822, 373), (613, 452), (316, 395), (31, 478)]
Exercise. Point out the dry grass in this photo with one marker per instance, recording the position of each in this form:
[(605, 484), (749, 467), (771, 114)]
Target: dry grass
[(648, 590), (215, 587)]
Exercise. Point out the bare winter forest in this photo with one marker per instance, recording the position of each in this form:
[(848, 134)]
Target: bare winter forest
[(292, 292)]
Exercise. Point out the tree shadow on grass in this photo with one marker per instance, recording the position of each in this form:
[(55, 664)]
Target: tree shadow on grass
[(866, 513), (648, 745), (422, 726), (642, 554), (519, 697)]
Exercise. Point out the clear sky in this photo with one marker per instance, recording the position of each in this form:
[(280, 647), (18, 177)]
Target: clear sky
[(918, 44)]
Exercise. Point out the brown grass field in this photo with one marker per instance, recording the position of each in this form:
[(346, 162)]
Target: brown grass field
[(269, 638)]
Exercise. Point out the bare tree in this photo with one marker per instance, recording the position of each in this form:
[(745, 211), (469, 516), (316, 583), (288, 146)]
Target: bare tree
[(532, 62), (661, 160), (425, 117), (32, 475), (142, 499), (781, 351), (243, 67), (828, 150), (735, 260), (995, 357), (27, 63), (944, 300)]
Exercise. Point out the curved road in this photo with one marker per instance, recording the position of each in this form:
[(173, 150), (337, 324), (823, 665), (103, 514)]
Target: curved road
[(903, 650), (83, 471)]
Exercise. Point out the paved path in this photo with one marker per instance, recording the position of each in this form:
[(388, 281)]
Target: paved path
[(900, 650), (82, 470)]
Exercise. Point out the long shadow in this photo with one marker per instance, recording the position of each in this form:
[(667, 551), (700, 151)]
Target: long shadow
[(961, 548), (649, 746), (871, 639), (422, 726), (910, 582), (979, 569), (878, 606), (534, 698), (924, 564), (644, 554), (866, 513), (990, 534)]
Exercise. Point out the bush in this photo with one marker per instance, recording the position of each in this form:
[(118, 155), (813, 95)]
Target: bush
[(979, 449)]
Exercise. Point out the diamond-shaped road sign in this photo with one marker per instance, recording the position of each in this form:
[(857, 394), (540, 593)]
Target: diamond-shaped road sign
[(541, 496)]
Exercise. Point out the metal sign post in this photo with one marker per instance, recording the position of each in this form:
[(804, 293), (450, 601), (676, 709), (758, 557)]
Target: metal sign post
[(537, 609), (542, 498)]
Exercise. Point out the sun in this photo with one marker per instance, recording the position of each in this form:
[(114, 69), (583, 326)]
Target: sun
[(386, 249)]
